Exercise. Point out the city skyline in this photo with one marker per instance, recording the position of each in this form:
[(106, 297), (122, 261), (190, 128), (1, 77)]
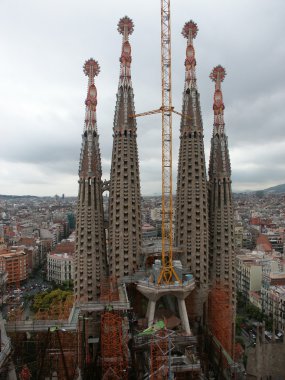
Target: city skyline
[(43, 88)]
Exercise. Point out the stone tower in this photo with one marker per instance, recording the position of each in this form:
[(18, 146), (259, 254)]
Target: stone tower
[(90, 254), (191, 225), (221, 258), (125, 198), (220, 195)]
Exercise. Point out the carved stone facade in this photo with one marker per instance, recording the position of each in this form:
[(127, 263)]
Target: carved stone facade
[(125, 196), (90, 252), (221, 220), (191, 227), (221, 223)]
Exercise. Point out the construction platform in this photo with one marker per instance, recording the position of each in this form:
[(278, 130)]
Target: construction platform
[(153, 291), (71, 323)]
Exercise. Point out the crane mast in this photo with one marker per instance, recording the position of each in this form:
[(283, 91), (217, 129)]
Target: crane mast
[(167, 271), (167, 274)]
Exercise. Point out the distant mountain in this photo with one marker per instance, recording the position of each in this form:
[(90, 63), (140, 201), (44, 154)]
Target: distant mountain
[(276, 189), (4, 197), (33, 197)]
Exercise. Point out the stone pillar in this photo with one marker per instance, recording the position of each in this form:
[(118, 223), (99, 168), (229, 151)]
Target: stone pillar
[(184, 316), (150, 312)]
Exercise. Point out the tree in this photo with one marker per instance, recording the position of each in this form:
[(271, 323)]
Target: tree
[(240, 320), (44, 301), (71, 220), (254, 312)]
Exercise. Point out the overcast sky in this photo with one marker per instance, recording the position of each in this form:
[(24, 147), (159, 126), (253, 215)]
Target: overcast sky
[(44, 44)]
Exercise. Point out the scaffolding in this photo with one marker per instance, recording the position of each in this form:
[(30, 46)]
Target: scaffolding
[(114, 349), (160, 355), (49, 354), (86, 335), (25, 373), (221, 317), (109, 289), (56, 354)]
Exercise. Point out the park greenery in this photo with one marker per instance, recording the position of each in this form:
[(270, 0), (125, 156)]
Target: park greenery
[(44, 301), (248, 313)]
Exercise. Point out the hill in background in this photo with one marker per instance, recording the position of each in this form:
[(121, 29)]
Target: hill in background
[(276, 189)]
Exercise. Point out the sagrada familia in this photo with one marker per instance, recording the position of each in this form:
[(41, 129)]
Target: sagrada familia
[(203, 225), (147, 308)]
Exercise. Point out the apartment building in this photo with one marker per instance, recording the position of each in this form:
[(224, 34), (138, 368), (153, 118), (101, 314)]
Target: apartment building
[(249, 275), (273, 304), (14, 262), (60, 267)]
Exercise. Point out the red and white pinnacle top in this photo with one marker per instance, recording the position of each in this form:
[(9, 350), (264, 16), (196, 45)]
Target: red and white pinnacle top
[(218, 75), (190, 31), (125, 27), (91, 69)]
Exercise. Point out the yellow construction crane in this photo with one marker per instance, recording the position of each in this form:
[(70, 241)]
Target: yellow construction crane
[(167, 274)]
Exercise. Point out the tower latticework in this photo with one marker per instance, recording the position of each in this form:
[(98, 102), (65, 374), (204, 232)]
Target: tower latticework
[(222, 298), (191, 225), (160, 353), (90, 254), (114, 349), (125, 197)]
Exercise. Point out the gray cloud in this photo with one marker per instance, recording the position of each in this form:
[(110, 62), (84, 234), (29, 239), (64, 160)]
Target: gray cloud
[(42, 86)]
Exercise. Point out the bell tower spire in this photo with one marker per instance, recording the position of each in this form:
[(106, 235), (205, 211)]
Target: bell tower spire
[(218, 75), (190, 31), (125, 197), (191, 224), (219, 159), (91, 69), (126, 28), (90, 162), (90, 252), (222, 255)]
